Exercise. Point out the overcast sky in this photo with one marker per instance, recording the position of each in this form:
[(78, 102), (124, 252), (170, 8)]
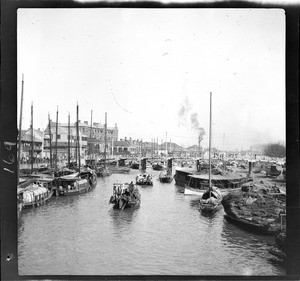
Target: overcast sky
[(152, 71)]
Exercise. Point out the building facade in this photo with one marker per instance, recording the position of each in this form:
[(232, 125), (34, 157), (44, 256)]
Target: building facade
[(91, 139)]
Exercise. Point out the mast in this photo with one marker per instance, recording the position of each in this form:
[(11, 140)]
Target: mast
[(166, 145), (56, 132), (77, 127), (31, 137), (50, 136), (105, 128), (69, 140), (210, 146), (20, 128), (91, 150)]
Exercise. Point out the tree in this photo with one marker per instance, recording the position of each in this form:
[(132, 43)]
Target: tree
[(275, 150)]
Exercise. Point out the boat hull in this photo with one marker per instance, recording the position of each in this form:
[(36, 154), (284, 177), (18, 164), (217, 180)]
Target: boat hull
[(166, 179), (38, 200), (248, 225), (200, 192)]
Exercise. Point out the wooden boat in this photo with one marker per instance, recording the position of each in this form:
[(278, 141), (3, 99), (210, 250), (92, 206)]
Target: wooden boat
[(119, 170), (120, 167), (250, 225), (37, 192), (158, 166), (144, 179), (165, 177), (272, 171), (135, 165), (125, 196), (211, 200), (103, 172), (76, 183), (254, 211)]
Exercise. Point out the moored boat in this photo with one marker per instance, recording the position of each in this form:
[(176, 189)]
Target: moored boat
[(158, 166), (37, 192), (198, 184), (211, 200), (125, 196), (76, 183), (165, 177), (144, 179), (135, 165)]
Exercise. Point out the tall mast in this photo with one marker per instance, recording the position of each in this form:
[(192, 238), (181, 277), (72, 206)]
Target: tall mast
[(210, 106), (77, 127), (50, 137), (31, 137), (69, 140), (166, 145), (91, 150), (105, 128), (20, 128), (56, 132)]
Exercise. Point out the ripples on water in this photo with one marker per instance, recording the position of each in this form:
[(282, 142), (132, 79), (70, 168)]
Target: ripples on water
[(165, 235)]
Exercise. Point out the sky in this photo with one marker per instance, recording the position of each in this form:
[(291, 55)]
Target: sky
[(152, 71)]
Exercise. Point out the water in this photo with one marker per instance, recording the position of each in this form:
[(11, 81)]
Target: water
[(165, 235)]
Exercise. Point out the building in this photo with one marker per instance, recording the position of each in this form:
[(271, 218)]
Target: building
[(91, 139), (27, 138)]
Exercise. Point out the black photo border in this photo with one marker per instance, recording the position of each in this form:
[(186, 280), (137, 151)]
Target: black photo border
[(9, 131)]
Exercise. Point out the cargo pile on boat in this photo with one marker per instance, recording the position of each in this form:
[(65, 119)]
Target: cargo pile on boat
[(255, 209)]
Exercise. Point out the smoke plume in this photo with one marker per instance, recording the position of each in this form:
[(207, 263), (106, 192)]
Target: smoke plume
[(185, 112)]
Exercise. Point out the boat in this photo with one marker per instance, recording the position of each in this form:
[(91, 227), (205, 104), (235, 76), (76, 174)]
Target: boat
[(254, 211), (198, 184), (120, 167), (37, 192), (165, 177), (158, 166), (76, 183), (125, 196), (102, 171), (182, 174), (250, 225), (211, 200), (144, 179), (135, 165), (272, 171), (119, 170)]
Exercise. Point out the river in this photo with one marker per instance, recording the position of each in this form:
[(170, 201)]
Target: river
[(165, 235)]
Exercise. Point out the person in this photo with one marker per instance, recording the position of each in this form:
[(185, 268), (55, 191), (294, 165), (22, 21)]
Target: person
[(131, 187)]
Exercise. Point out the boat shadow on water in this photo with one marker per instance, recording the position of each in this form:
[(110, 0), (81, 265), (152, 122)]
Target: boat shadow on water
[(122, 220)]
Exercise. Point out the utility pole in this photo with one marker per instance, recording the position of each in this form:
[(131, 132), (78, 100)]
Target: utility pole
[(20, 129), (56, 132), (32, 137)]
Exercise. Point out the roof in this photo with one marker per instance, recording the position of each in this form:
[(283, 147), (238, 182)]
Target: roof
[(229, 176), (60, 130), (121, 143), (27, 138)]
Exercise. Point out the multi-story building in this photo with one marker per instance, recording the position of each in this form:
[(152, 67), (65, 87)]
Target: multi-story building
[(91, 138), (29, 137)]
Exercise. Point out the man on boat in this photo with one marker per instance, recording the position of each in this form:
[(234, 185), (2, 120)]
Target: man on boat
[(131, 187)]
